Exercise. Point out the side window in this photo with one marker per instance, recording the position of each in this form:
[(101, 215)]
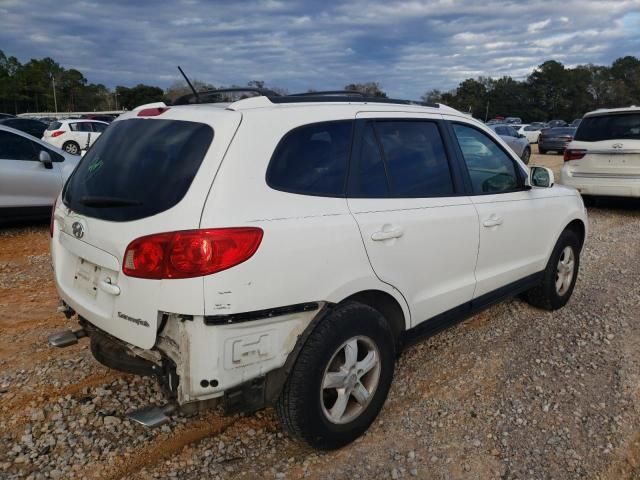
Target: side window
[(512, 132), (370, 178), (415, 158), (16, 147), (491, 170), (503, 131), (74, 127), (312, 160), (98, 127)]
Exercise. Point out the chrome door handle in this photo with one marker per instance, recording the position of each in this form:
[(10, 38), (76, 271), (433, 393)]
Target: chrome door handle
[(106, 286), (387, 234), (492, 221)]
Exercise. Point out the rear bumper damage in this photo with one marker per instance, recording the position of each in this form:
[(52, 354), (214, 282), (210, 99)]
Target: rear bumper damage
[(240, 361)]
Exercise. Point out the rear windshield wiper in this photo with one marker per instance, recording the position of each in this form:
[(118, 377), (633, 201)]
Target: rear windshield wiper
[(98, 202)]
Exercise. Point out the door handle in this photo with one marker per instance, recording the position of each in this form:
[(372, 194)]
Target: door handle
[(492, 221), (106, 286), (387, 234)]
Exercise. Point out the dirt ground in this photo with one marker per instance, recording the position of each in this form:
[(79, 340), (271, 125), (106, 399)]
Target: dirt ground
[(514, 392)]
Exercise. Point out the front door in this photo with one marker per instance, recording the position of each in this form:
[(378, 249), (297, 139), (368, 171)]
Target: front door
[(420, 232), (24, 180), (510, 214)]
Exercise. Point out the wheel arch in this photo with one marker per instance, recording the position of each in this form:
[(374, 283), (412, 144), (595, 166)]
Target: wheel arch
[(388, 307), (579, 228)]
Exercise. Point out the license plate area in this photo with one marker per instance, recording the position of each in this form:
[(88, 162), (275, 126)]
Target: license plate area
[(86, 277)]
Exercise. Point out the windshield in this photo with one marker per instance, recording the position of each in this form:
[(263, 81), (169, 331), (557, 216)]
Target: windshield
[(609, 127), (138, 168)]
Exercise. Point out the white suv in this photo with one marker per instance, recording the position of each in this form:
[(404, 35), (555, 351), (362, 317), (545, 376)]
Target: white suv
[(604, 156), (283, 249)]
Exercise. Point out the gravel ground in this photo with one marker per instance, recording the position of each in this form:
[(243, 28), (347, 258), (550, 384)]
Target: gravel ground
[(514, 392)]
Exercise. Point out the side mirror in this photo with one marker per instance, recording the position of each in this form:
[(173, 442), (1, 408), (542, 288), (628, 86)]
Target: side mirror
[(541, 177), (45, 159), (521, 135)]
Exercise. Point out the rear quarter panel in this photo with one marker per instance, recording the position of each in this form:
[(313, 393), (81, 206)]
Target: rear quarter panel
[(311, 250)]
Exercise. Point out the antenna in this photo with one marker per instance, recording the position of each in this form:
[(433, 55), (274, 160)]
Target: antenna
[(195, 94)]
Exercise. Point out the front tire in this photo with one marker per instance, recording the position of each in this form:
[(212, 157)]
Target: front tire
[(526, 155), (559, 276), (340, 379)]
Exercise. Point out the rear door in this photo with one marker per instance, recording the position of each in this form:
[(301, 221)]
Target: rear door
[(612, 147), (24, 180), (146, 176), (420, 232)]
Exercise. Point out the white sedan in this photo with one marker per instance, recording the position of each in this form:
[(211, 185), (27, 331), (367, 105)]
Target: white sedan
[(31, 175), (74, 135)]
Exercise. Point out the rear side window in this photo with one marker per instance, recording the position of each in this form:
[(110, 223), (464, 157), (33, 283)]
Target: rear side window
[(609, 127), (312, 160), (54, 126), (415, 159), (138, 168)]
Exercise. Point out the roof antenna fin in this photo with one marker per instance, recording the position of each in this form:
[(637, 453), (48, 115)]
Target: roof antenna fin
[(195, 94)]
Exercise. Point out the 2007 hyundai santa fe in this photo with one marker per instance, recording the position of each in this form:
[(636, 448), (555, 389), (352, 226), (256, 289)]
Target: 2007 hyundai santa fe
[(281, 250)]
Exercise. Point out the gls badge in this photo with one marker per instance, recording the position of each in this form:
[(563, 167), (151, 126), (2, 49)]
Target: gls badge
[(77, 229)]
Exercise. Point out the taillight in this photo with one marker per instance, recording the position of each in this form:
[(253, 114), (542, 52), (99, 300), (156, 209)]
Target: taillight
[(53, 217), (57, 133), (152, 112), (190, 253), (574, 154)]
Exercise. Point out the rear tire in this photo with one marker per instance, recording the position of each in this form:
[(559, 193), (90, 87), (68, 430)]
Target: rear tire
[(559, 276), (327, 401), (71, 147)]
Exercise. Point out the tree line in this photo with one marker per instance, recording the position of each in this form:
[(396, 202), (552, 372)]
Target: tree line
[(551, 91)]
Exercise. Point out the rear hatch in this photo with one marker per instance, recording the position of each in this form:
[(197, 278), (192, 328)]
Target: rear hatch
[(143, 176), (607, 146), (53, 126)]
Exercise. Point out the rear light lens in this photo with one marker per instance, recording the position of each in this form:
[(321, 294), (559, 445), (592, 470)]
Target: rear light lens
[(152, 112), (190, 253), (57, 133), (573, 154), (53, 217)]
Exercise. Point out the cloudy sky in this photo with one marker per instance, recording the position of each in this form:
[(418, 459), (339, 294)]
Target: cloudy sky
[(408, 46)]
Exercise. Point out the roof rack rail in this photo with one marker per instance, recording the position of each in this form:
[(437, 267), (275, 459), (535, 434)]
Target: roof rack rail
[(328, 92), (192, 98), (311, 98)]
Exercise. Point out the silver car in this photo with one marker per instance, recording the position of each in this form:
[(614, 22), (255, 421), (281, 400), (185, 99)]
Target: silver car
[(515, 140), (32, 173)]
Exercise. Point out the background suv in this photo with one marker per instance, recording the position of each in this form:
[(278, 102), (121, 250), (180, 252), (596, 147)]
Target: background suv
[(284, 249), (604, 156)]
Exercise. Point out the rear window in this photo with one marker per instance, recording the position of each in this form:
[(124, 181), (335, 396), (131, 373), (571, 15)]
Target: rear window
[(312, 160), (561, 131), (54, 126), (609, 127), (138, 168)]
